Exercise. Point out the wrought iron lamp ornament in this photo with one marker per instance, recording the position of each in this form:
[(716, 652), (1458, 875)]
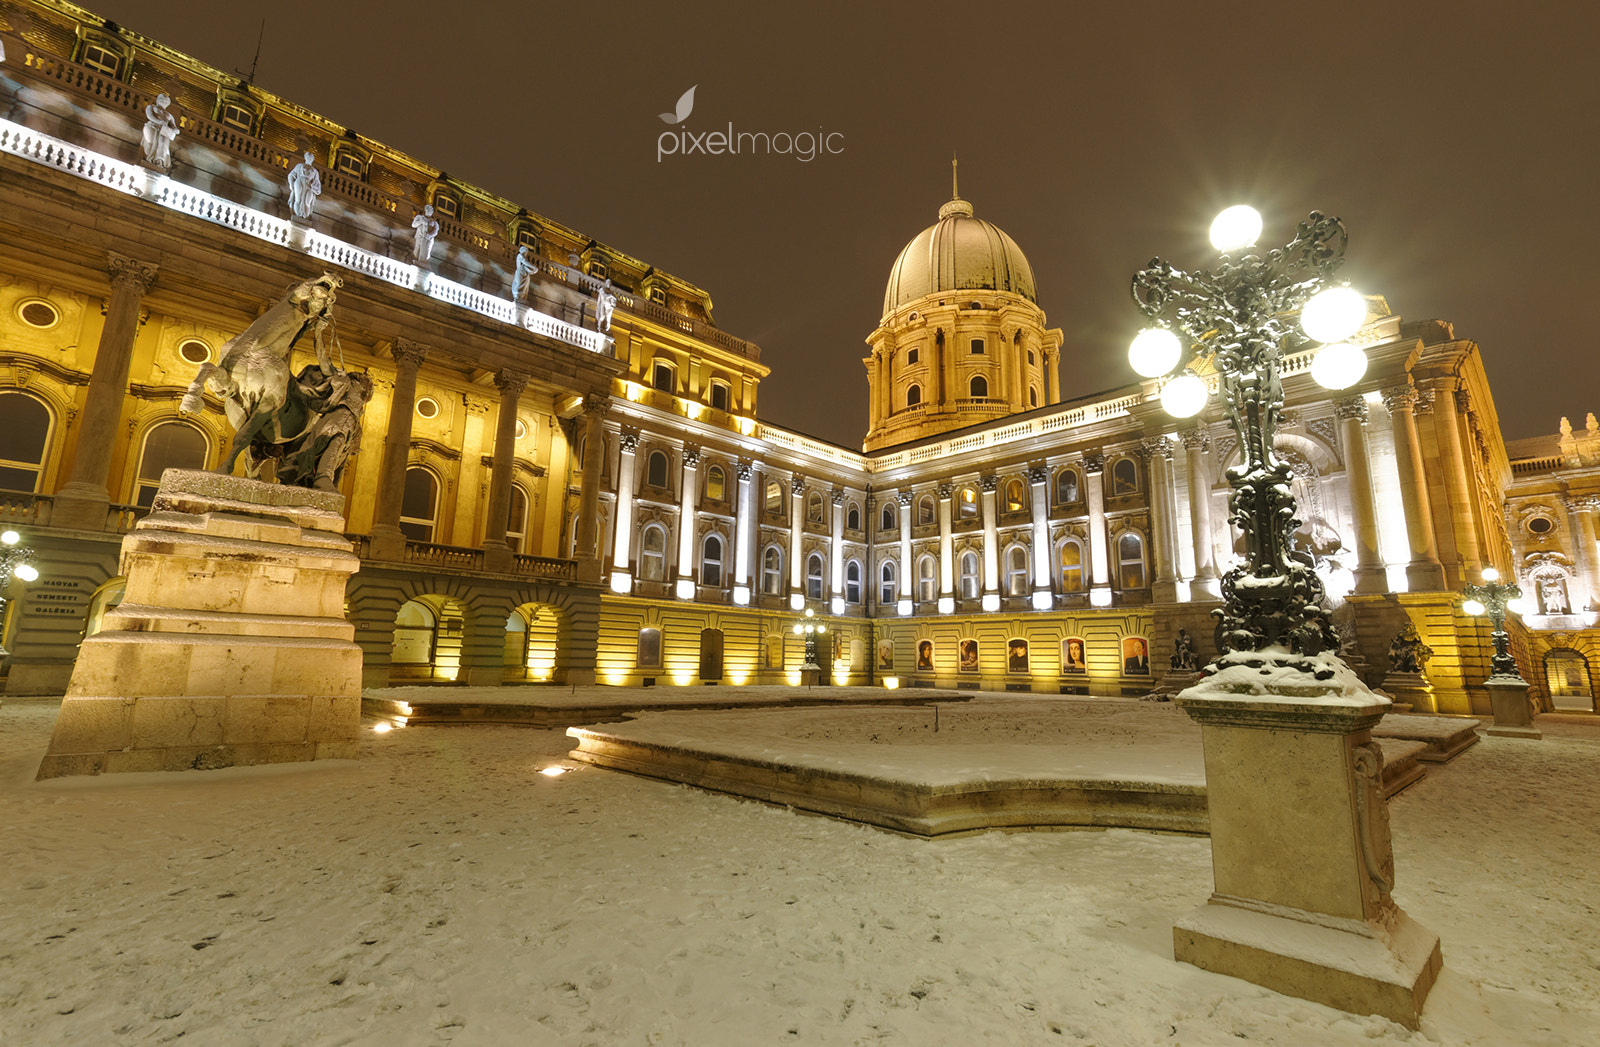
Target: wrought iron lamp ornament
[(15, 561), (1239, 317), (811, 630), (1495, 598)]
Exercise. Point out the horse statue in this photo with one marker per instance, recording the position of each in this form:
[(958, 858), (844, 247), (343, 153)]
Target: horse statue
[(252, 375)]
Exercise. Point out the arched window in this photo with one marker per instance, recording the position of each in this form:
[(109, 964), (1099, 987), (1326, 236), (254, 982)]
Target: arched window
[(720, 397), (655, 470), (1069, 566), (1016, 497), (886, 580), (969, 576), (1017, 571), (926, 514), (927, 580), (716, 484), (711, 561), (663, 378), (888, 518), (852, 582), (852, 517), (914, 395), (170, 445), (1130, 561), (653, 553), (967, 504), (1066, 487), (979, 384), (419, 505), (1033, 394), (24, 439), (772, 571), (1124, 476), (517, 519), (773, 502), (814, 507), (814, 576)]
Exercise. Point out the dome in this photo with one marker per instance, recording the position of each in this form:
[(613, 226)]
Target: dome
[(958, 253)]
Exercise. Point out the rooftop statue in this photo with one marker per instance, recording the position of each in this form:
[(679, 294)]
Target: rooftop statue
[(605, 303), (427, 228), (160, 128), (305, 185), (311, 421), (525, 268)]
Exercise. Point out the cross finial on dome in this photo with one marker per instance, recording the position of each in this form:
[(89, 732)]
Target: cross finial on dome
[(955, 205)]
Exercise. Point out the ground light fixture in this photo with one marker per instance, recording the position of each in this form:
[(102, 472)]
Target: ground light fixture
[(1231, 326)]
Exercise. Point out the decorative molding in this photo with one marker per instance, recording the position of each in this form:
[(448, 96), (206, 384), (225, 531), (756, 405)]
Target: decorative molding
[(511, 381), (1196, 440), (946, 491), (989, 482), (130, 273), (408, 354), (1094, 462), (1351, 407), (1399, 398)]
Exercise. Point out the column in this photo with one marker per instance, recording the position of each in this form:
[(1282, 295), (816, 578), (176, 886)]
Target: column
[(1424, 572), (387, 541), (1457, 478), (1052, 376), (587, 547), (1205, 585), (1039, 484), (83, 501), (1369, 570), (797, 522), (991, 544), (908, 574), (1164, 581), (836, 551), (496, 553), (1094, 483), (688, 491), (1580, 521), (622, 546), (744, 532), (947, 590), (885, 388)]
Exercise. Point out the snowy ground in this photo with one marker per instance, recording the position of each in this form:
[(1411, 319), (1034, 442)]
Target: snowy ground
[(440, 890)]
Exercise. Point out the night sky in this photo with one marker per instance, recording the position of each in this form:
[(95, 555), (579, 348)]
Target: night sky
[(1457, 141)]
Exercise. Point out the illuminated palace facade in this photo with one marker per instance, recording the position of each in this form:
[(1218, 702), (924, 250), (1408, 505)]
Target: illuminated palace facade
[(538, 499)]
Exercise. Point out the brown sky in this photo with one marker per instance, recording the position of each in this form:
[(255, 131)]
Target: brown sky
[(1456, 140)]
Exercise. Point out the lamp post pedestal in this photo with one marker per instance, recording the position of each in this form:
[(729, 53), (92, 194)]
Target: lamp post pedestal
[(1300, 848), (1508, 697)]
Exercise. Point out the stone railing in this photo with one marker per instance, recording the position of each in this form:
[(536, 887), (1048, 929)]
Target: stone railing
[(1028, 429), (545, 567), (460, 558), (1523, 466), (449, 557), (22, 508)]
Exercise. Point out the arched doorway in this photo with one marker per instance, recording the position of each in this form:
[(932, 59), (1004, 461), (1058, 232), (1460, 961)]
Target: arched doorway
[(531, 643), (427, 640), (1571, 687)]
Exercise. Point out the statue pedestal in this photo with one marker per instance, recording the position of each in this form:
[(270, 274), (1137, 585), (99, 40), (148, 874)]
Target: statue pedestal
[(1411, 690), (1300, 847), (1508, 697), (230, 647)]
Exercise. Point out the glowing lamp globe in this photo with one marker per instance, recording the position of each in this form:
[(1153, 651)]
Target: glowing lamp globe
[(26, 572), (1185, 395), (1338, 366), (10, 538), (1489, 574), (1333, 315), (1236, 227), (1154, 351), (1472, 608)]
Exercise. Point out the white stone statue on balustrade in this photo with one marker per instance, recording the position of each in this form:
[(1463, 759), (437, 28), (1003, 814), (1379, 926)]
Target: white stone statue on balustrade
[(160, 128), (525, 268), (305, 185), (605, 303), (427, 227)]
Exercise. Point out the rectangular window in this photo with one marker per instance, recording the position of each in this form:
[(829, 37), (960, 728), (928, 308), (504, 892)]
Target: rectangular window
[(977, 347), (446, 205), (719, 396), (658, 296), (237, 117), (350, 164), (102, 60), (911, 356)]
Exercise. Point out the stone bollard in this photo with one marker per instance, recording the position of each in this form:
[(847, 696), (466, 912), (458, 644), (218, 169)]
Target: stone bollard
[(1508, 697), (1300, 845)]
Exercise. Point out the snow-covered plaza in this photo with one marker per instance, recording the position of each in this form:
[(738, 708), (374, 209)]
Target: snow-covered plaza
[(442, 889)]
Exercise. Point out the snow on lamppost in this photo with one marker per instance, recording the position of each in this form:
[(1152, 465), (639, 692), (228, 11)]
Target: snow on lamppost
[(1300, 846), (1234, 319), (1508, 691), (16, 561)]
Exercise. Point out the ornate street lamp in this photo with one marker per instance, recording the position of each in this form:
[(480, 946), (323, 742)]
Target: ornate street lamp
[(1495, 598), (15, 561), (811, 630), (1236, 319)]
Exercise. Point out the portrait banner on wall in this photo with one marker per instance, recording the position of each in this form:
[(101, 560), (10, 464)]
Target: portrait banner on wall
[(969, 656), (925, 655), (1017, 656), (1135, 656), (886, 654), (649, 655), (1072, 660)]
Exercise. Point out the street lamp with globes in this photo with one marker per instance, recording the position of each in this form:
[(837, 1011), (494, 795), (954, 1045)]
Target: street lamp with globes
[(16, 561), (1233, 320), (1495, 599)]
